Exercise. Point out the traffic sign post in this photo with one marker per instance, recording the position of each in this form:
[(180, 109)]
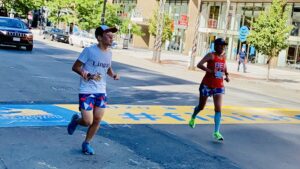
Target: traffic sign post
[(244, 32)]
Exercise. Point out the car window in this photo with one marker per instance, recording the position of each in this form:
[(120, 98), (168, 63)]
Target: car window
[(85, 34), (48, 28), (12, 23), (57, 30), (91, 36)]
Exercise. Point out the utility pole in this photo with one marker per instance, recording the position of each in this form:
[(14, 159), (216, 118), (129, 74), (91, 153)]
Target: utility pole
[(159, 32), (195, 40), (103, 12)]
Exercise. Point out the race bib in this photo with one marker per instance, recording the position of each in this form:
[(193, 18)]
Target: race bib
[(219, 74)]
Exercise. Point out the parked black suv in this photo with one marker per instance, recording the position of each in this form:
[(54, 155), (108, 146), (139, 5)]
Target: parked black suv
[(16, 33)]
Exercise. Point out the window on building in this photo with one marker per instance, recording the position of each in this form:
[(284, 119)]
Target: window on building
[(184, 8), (267, 6), (231, 16), (298, 56), (177, 10), (239, 21), (248, 14), (126, 7), (296, 19), (293, 54), (204, 14), (179, 2), (222, 16), (258, 9), (213, 16)]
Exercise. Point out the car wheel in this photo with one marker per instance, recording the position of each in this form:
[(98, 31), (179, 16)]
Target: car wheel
[(29, 48)]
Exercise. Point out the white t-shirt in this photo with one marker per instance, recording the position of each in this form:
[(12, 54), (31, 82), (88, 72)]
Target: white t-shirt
[(94, 61)]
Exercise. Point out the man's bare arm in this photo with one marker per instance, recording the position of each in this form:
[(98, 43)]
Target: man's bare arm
[(77, 67), (111, 73)]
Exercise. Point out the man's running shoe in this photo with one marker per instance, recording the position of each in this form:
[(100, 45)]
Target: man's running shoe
[(192, 123), (87, 149), (73, 124), (218, 136)]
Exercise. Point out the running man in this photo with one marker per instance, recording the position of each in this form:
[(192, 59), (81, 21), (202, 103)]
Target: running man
[(212, 84), (93, 65)]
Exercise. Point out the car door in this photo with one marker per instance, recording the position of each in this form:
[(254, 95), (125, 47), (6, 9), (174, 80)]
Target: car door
[(76, 38), (85, 39)]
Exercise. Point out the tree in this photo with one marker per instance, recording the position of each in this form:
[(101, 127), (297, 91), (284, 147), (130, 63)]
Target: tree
[(111, 15), (270, 31), (86, 13), (61, 11), (90, 12), (135, 28), (167, 28), (22, 7)]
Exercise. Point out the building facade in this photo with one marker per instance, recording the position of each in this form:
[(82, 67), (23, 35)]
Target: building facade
[(217, 18), (242, 13)]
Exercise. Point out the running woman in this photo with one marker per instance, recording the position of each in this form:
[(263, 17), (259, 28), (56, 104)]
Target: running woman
[(212, 84), (93, 65)]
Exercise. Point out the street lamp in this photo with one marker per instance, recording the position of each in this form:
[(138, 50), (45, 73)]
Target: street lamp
[(103, 12)]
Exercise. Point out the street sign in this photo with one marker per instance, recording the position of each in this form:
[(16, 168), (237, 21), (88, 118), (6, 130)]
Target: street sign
[(183, 21), (244, 32)]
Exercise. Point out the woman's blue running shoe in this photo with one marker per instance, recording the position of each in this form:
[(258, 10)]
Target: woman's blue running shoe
[(87, 149)]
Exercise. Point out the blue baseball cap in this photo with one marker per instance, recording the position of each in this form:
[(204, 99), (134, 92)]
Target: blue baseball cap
[(220, 41), (104, 28)]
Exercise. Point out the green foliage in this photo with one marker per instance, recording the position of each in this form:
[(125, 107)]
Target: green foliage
[(135, 29), (270, 31), (61, 11), (167, 31), (111, 15), (125, 22), (87, 13), (22, 7)]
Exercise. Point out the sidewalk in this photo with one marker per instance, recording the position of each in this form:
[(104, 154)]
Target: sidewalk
[(285, 78)]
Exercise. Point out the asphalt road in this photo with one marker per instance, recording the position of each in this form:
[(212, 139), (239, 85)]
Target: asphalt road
[(45, 76)]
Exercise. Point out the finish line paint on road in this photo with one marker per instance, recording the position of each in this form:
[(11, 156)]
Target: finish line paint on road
[(59, 115), (123, 114)]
